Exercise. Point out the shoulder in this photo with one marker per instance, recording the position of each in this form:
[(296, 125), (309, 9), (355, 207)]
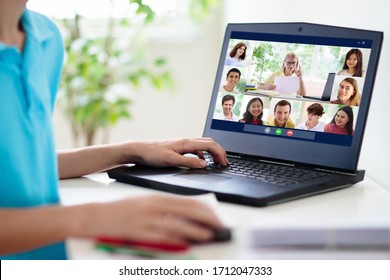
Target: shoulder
[(228, 61), (319, 127), (48, 46), (43, 29), (278, 73), (271, 120), (344, 72), (301, 126), (290, 123), (330, 124), (38, 18), (219, 116), (222, 89), (41, 23), (233, 62), (329, 127), (271, 78), (326, 127)]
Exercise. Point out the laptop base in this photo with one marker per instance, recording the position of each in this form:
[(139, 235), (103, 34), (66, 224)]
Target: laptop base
[(227, 188)]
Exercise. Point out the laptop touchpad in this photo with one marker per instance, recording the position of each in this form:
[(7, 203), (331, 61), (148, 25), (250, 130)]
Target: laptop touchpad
[(202, 177)]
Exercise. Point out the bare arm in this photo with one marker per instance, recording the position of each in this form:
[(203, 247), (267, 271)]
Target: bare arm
[(154, 218), (266, 86), (302, 87), (83, 161), (269, 83), (141, 218), (28, 229), (79, 162)]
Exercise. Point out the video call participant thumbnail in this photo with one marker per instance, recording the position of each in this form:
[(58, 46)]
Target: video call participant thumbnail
[(281, 117), (228, 102)]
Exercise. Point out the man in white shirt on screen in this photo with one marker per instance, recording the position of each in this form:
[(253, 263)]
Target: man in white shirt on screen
[(227, 105)]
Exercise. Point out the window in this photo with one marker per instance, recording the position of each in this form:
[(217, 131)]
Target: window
[(62, 9), (172, 17)]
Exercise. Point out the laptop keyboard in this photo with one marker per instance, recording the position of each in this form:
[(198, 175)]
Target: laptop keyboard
[(266, 172)]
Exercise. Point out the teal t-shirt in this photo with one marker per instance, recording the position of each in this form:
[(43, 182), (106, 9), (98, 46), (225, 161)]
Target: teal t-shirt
[(29, 81)]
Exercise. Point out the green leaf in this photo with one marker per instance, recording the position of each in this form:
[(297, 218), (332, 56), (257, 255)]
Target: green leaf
[(145, 10), (160, 61)]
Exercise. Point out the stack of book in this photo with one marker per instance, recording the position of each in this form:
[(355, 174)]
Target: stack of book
[(141, 249), (249, 87)]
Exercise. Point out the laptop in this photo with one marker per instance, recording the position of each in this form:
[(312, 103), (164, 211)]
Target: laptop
[(326, 94), (270, 164)]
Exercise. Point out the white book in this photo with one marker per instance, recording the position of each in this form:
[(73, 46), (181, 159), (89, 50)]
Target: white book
[(315, 236)]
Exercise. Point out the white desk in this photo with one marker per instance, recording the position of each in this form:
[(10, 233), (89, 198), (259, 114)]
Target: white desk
[(364, 204)]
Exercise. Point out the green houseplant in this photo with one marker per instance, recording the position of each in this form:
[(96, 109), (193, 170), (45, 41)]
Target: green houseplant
[(98, 72), (266, 61), (93, 71)]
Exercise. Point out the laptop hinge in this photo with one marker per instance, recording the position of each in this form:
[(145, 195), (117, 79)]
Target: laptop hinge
[(233, 156), (277, 162), (336, 172), (261, 160)]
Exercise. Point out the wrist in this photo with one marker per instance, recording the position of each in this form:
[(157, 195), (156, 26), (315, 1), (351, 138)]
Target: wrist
[(83, 219), (131, 152), (125, 152)]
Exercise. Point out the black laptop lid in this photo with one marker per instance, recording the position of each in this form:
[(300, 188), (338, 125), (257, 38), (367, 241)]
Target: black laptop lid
[(328, 89), (321, 50)]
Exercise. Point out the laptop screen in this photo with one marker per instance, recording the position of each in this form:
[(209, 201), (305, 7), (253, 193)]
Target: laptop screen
[(294, 92)]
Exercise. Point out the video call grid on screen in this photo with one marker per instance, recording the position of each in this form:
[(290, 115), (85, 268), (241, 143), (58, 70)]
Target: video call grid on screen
[(318, 57)]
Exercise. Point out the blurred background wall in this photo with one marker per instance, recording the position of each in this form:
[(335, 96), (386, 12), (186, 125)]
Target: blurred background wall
[(194, 63)]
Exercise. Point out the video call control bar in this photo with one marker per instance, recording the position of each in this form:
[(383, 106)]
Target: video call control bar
[(284, 132)]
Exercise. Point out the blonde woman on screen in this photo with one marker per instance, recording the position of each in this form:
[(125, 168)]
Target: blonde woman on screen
[(290, 67)]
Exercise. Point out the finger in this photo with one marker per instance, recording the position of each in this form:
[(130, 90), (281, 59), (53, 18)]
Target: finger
[(160, 234), (176, 220), (191, 210), (181, 230), (206, 144), (200, 155), (190, 162), (176, 231)]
